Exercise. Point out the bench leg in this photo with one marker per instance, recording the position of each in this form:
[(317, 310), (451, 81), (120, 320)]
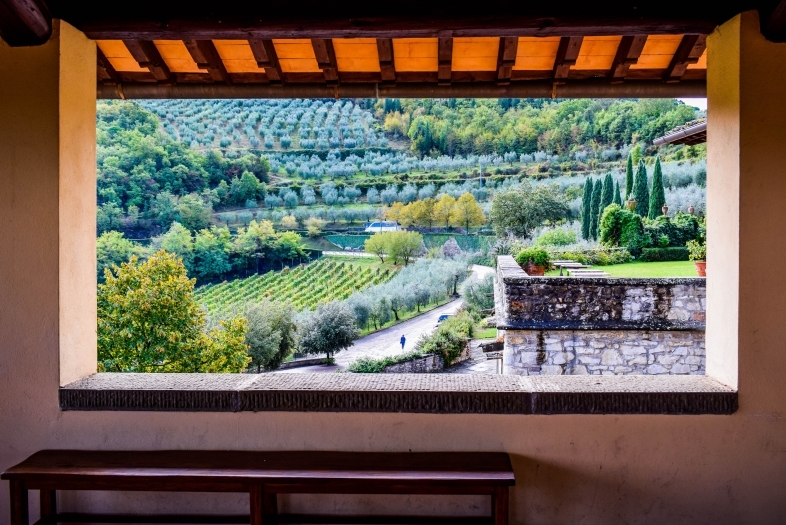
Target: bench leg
[(48, 506), (270, 508), (19, 513), (257, 496), (499, 506)]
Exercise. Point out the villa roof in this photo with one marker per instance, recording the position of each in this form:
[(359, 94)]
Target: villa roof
[(437, 48), (690, 133)]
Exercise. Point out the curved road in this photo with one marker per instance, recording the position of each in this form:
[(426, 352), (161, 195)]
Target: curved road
[(386, 342)]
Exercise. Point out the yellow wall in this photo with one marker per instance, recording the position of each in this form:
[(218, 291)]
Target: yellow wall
[(570, 469)]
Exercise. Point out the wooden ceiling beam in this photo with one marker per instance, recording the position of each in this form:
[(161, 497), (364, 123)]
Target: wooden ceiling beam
[(387, 65), (146, 54), (567, 54), (628, 53), (25, 22), (508, 48), (267, 58), (326, 59), (206, 56), (445, 58), (105, 66), (689, 51)]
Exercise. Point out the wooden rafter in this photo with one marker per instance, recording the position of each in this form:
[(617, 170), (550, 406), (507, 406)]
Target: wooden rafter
[(206, 56), (689, 51), (106, 67), (387, 64), (508, 47), (326, 59), (25, 22), (445, 57), (567, 54), (628, 53), (267, 58), (146, 54)]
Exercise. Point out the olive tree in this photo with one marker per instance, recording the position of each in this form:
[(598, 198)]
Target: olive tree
[(329, 329)]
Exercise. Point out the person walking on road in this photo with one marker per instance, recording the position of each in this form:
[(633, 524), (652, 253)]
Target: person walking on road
[(403, 342)]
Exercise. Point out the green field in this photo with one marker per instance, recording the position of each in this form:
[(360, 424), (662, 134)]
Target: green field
[(647, 269), (304, 286)]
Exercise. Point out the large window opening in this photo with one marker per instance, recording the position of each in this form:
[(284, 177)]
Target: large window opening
[(366, 236)]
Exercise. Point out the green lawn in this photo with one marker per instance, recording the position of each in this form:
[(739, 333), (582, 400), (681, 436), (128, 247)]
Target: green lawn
[(648, 269)]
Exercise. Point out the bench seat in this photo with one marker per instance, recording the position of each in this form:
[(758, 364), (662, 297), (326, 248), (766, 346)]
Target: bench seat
[(262, 475)]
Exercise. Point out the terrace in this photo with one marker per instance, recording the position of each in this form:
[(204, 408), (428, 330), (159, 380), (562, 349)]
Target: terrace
[(725, 431)]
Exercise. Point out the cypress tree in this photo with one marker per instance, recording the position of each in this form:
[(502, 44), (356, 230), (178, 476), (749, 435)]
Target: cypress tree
[(629, 178), (607, 193), (658, 195), (640, 191), (586, 207), (617, 199), (597, 195)]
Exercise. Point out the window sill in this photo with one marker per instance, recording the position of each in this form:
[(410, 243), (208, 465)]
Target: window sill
[(409, 393)]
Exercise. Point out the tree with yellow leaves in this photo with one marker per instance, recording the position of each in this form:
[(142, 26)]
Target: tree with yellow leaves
[(467, 212), (393, 213), (443, 209)]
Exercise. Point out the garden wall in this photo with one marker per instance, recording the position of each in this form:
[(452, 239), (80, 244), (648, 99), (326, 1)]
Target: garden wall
[(425, 365), (568, 325)]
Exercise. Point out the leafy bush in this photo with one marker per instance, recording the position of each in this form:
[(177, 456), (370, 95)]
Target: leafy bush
[(674, 253), (370, 365), (697, 250), (556, 237), (602, 256), (622, 227), (450, 339), (534, 255)]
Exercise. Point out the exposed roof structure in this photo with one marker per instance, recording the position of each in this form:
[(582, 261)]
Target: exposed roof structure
[(690, 133), (306, 48)]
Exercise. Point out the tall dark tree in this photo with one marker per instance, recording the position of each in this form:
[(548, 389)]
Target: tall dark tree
[(640, 190), (629, 178), (658, 194), (597, 195), (586, 209), (617, 199), (607, 192)]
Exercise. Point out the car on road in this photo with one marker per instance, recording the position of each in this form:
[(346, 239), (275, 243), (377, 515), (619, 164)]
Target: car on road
[(442, 318)]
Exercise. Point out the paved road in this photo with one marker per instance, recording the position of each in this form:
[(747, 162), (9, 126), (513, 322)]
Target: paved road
[(386, 342)]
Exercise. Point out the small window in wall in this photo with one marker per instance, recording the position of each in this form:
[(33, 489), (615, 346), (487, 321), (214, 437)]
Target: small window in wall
[(452, 236)]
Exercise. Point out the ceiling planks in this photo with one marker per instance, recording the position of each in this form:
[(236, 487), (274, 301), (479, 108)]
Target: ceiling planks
[(105, 69)]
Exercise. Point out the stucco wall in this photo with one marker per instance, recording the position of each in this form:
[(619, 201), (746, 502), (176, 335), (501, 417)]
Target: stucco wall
[(585, 469)]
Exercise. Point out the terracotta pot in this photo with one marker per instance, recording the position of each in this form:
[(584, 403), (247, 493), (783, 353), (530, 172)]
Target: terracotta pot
[(631, 204), (535, 270), (701, 268)]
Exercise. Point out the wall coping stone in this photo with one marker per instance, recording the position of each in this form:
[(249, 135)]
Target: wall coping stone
[(409, 393)]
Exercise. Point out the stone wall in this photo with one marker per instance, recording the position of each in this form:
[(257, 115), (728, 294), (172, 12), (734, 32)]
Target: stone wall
[(567, 325), (424, 365)]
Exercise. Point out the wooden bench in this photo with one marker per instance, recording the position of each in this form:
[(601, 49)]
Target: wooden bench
[(262, 475)]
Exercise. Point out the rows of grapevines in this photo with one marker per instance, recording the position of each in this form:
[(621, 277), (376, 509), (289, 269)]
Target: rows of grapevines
[(305, 286)]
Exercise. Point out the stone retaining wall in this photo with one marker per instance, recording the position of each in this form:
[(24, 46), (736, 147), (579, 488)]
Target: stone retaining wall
[(566, 325), (424, 365)]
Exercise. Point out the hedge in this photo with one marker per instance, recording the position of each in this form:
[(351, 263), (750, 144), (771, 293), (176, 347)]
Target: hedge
[(370, 365), (674, 253)]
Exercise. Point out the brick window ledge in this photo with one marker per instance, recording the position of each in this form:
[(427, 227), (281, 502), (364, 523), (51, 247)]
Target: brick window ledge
[(409, 393)]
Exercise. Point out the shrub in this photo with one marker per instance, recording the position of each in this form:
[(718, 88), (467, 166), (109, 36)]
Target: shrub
[(594, 256), (534, 255), (674, 253), (370, 365), (621, 227), (450, 338), (556, 237), (697, 250)]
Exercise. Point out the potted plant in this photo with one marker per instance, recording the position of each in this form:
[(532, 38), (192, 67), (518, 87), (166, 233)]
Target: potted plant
[(697, 251), (534, 260)]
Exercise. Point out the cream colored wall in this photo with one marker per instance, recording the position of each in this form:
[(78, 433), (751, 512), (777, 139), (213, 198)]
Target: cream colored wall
[(570, 469)]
